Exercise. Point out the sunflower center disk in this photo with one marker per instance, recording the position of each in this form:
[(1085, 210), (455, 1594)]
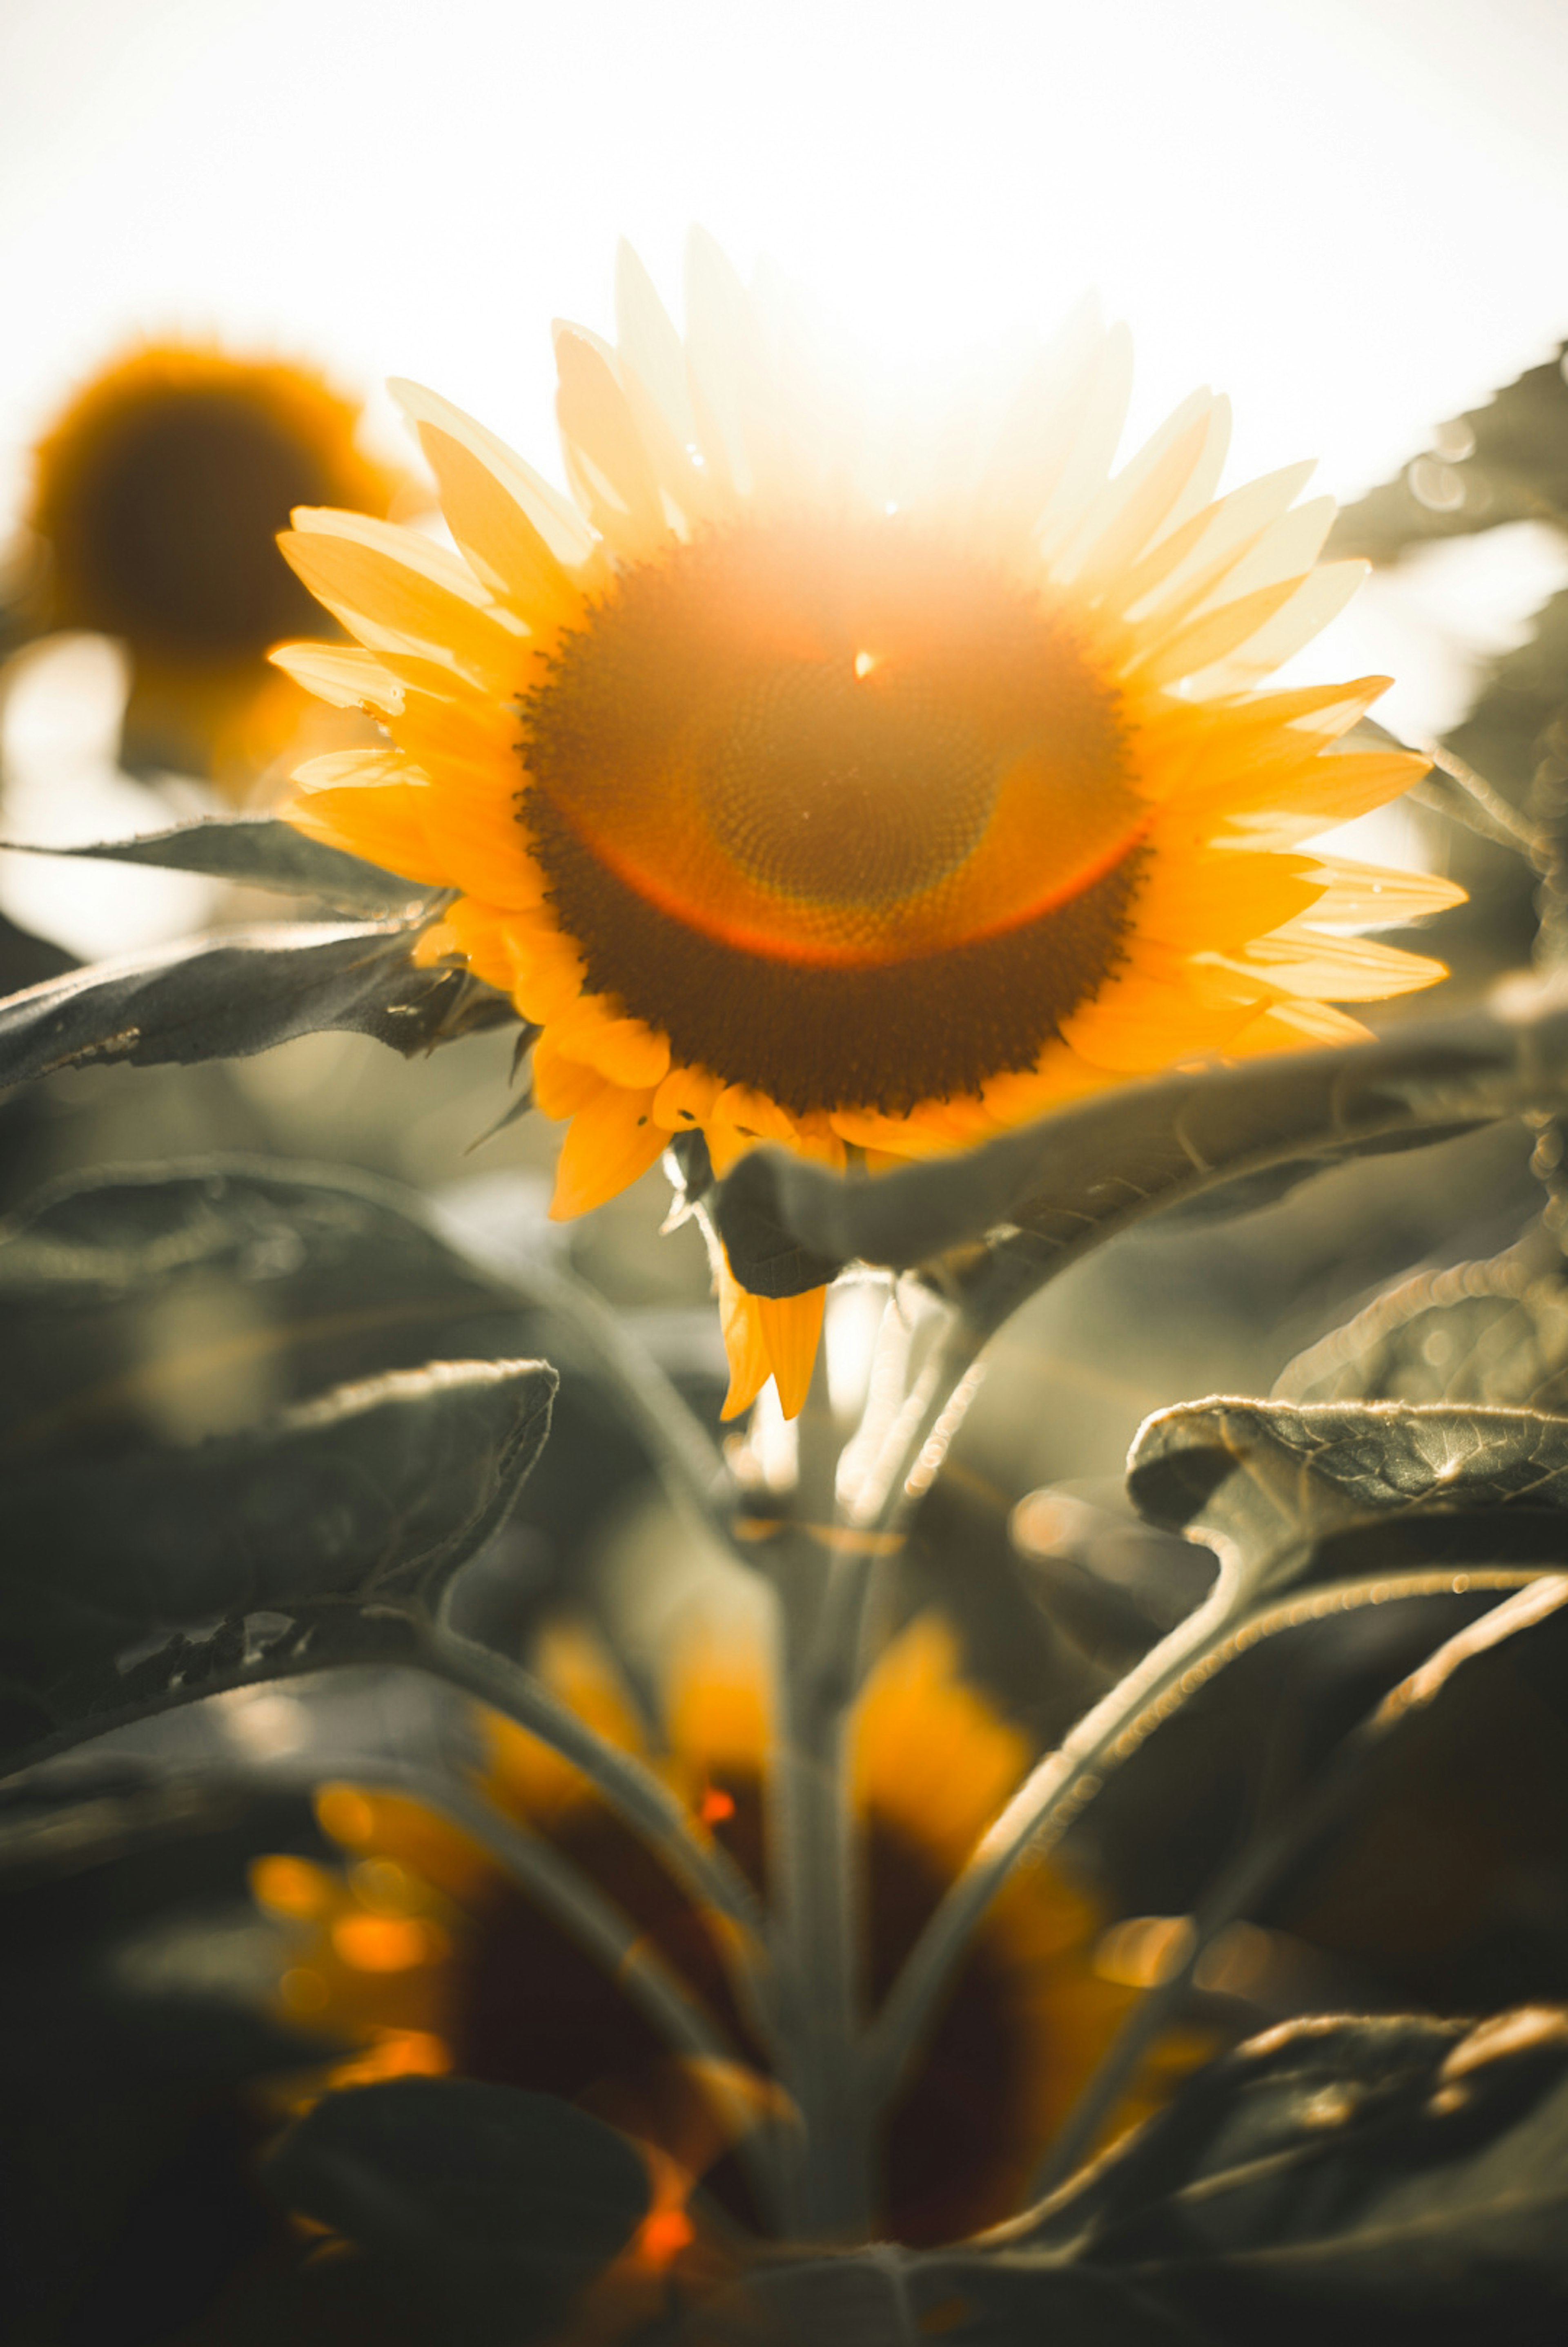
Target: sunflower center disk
[(845, 813), (169, 537), (826, 789)]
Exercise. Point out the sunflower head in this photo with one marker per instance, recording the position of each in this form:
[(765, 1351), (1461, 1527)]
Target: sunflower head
[(801, 799), (157, 497), (425, 1956)]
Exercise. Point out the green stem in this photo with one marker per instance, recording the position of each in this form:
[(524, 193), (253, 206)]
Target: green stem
[(1288, 1844), (812, 1857), (813, 1866), (637, 1797), (621, 1947), (1038, 1813)]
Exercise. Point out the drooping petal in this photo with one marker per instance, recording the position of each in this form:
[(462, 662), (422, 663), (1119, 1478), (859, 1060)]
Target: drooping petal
[(791, 1331), (610, 1143)]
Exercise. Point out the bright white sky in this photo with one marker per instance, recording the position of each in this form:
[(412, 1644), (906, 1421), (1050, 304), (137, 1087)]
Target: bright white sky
[(1350, 213)]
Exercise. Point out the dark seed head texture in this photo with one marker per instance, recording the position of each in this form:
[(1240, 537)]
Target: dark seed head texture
[(844, 814)]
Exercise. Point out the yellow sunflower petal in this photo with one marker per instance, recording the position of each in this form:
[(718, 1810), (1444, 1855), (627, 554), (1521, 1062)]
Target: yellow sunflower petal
[(397, 598), (546, 970), (500, 542), (623, 1050), (475, 932), (684, 1098), (740, 1320), (1094, 445), (566, 536), (563, 1083), (1375, 894), (1297, 960), (1126, 522), (342, 674), (1297, 1026), (610, 1143), (791, 1330), (603, 449), (380, 824), (1316, 602), (740, 1118), (799, 812)]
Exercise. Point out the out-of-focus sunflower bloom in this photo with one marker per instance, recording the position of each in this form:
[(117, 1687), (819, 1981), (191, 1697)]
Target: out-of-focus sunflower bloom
[(155, 500), (803, 796), (424, 1953)]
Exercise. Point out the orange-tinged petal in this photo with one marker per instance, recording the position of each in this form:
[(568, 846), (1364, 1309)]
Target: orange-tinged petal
[(475, 836), (476, 931), (1297, 1027), (624, 1050), (900, 1137), (500, 542), (740, 1119), (741, 1319), (685, 1098), (1214, 897), (610, 1143), (380, 825), (1142, 1022), (547, 972), (791, 1331), (561, 1082)]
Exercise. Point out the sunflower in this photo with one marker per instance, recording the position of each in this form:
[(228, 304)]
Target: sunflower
[(425, 1956), (156, 497), (805, 795)]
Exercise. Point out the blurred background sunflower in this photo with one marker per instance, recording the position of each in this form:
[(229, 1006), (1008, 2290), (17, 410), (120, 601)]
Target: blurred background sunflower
[(156, 498), (421, 1953)]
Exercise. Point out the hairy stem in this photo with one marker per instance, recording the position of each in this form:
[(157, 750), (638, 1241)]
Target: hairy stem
[(908, 1461)]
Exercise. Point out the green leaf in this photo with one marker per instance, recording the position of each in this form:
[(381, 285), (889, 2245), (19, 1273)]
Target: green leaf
[(1405, 2176), (259, 851), (229, 995), (491, 2207), (1049, 1193), (1495, 1331), (1399, 2178), (371, 1497), (1516, 470), (166, 1336), (1342, 1490)]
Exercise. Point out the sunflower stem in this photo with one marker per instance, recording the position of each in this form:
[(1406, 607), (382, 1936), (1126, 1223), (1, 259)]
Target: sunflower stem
[(1038, 1813), (916, 1444), (640, 1798), (813, 1850), (555, 1885)]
